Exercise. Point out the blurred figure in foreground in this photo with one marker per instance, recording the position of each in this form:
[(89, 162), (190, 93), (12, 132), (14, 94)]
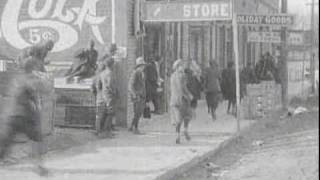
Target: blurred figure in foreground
[(38, 53), (24, 113), (180, 99)]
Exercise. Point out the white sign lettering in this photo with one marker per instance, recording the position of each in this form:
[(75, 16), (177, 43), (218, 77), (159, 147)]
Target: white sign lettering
[(206, 10), (187, 11), (50, 21), (267, 37)]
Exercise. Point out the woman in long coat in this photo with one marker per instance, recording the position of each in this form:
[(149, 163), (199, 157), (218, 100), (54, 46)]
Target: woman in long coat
[(229, 86), (180, 99), (212, 88)]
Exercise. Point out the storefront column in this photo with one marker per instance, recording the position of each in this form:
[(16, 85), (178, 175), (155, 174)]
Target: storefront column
[(179, 40), (185, 41)]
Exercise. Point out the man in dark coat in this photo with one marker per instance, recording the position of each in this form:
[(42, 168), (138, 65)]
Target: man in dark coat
[(228, 77), (266, 69), (211, 84), (85, 63), (137, 91), (23, 115), (92, 55), (152, 84), (38, 52), (247, 76)]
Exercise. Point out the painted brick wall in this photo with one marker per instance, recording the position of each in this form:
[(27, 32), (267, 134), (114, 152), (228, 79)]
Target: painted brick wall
[(71, 24)]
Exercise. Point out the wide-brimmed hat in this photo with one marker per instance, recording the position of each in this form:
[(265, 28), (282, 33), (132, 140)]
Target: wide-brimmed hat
[(140, 61)]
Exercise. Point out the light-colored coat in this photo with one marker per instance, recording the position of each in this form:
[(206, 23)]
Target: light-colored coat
[(179, 90), (105, 88)]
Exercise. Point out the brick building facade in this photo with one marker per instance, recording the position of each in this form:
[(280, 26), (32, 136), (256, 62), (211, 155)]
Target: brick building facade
[(72, 23)]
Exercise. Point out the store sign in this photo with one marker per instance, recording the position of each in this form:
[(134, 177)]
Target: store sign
[(266, 37), (272, 20), (188, 11), (293, 38)]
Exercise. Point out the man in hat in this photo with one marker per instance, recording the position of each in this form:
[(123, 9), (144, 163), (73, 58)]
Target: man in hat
[(137, 90), (152, 84), (23, 114), (112, 50), (38, 52), (105, 89)]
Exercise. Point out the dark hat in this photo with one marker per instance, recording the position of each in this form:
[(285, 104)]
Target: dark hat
[(49, 44)]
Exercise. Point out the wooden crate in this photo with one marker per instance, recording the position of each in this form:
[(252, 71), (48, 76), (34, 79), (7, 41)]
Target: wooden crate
[(80, 116), (76, 108)]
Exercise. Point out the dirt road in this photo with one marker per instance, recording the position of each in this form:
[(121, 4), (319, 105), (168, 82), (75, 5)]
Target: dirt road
[(292, 156), (274, 149)]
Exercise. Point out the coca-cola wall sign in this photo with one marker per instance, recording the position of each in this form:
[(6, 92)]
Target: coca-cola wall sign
[(70, 23)]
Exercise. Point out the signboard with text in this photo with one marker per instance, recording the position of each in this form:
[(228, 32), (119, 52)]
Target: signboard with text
[(293, 38), (70, 23), (188, 11), (296, 38), (266, 37), (269, 20)]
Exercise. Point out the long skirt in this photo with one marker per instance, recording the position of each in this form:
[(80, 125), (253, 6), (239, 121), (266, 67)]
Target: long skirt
[(181, 113), (213, 99)]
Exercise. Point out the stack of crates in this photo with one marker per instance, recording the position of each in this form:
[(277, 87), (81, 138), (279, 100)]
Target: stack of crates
[(254, 104), (76, 108), (261, 99), (269, 93)]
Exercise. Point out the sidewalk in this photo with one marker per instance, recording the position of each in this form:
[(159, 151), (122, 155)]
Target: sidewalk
[(131, 157)]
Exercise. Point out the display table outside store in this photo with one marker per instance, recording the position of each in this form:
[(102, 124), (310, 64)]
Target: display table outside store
[(261, 99), (75, 105)]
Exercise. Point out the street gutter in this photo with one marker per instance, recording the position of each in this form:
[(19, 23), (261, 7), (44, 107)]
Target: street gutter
[(171, 174)]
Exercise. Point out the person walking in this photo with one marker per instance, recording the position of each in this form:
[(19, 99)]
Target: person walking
[(212, 89), (24, 111), (106, 93), (228, 77), (180, 99), (137, 91), (152, 84), (194, 85)]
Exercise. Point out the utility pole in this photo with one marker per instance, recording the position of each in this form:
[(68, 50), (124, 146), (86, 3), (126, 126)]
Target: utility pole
[(283, 59), (236, 59), (312, 63)]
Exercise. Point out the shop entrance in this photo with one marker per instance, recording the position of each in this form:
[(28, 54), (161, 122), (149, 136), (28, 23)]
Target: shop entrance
[(199, 44)]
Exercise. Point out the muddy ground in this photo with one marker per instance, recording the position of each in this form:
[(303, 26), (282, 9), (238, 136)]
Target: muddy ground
[(274, 148)]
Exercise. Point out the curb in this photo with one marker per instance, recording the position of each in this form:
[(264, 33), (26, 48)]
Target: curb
[(170, 174)]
